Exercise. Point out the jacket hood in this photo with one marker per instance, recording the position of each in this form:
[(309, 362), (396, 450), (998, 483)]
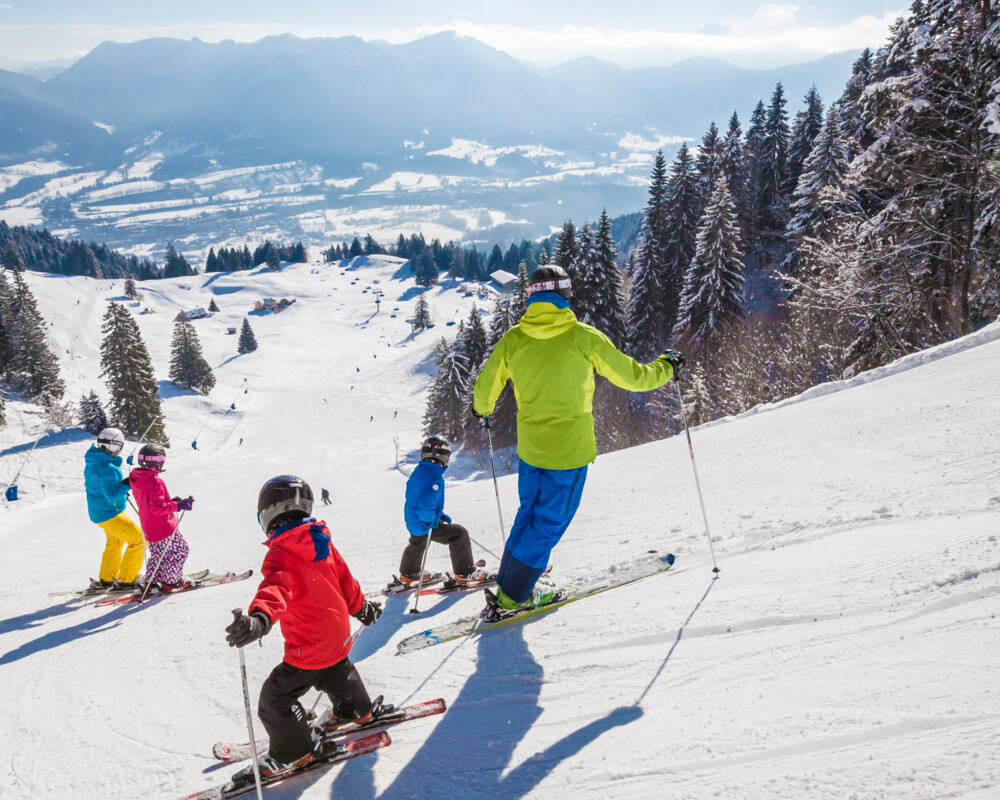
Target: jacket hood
[(95, 455), (306, 539), (142, 478), (543, 320)]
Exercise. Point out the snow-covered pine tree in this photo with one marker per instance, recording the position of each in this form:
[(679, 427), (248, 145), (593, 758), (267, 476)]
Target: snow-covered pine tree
[(684, 206), (606, 278), (175, 265), (567, 254), (775, 151), (519, 303), (585, 290), (473, 340), (731, 157), (751, 211), (848, 105), (92, 416), (213, 306), (713, 286), (645, 302), (421, 313), (247, 342), (504, 418), (697, 400), (130, 291), (774, 169), (188, 367), (805, 129), (501, 320), (128, 374), (12, 258), (32, 367), (448, 403), (3, 412), (931, 163), (707, 164), (821, 194)]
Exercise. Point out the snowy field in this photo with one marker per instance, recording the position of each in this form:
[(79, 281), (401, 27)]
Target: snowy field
[(846, 651)]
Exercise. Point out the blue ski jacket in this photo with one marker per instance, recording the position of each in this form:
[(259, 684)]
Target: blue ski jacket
[(424, 498), (102, 478)]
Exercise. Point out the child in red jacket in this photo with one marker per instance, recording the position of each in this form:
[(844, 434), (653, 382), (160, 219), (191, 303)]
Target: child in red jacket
[(167, 548), (308, 588)]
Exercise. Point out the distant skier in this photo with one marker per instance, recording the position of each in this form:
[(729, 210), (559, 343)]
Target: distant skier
[(107, 491), (308, 588), (424, 515), (325, 495), (167, 548), (551, 358)]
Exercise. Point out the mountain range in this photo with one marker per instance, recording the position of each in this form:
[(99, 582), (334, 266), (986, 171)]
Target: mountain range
[(363, 111)]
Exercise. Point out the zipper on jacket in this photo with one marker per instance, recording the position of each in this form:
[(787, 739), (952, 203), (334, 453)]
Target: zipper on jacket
[(572, 489)]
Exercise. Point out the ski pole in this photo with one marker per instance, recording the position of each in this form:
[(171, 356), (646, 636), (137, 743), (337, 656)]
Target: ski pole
[(697, 483), (246, 707), (496, 486), (166, 549), (420, 585), (141, 440), (481, 546)]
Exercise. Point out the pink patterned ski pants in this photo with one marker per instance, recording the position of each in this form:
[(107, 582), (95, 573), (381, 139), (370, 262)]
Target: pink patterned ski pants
[(172, 567)]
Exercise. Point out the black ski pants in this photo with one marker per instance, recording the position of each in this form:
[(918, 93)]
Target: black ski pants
[(284, 717), (457, 539)]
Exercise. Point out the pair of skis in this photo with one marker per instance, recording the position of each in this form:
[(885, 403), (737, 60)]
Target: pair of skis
[(333, 750), (470, 625), (205, 579)]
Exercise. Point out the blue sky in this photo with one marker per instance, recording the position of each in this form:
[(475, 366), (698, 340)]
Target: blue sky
[(633, 33)]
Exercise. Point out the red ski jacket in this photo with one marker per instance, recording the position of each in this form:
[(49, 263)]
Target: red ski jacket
[(309, 590), (156, 509)]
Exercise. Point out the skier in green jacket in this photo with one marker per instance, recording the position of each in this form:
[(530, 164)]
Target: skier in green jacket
[(550, 358)]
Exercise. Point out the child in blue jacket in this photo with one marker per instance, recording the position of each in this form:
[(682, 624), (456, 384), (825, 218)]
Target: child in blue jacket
[(107, 491), (424, 516)]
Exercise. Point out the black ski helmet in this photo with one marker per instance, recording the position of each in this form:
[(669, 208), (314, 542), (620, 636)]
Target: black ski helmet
[(280, 496), (152, 456), (111, 440), (551, 278), (435, 449)]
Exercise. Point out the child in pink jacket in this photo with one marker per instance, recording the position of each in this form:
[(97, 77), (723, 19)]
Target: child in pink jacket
[(167, 549)]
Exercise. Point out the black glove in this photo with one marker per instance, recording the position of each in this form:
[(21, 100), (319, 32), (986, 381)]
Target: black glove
[(674, 359), (176, 499), (246, 628), (124, 482), (484, 419), (368, 613)]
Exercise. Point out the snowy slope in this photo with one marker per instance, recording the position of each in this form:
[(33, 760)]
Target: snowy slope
[(846, 650)]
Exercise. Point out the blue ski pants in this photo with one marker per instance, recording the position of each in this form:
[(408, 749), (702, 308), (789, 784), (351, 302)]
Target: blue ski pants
[(549, 500)]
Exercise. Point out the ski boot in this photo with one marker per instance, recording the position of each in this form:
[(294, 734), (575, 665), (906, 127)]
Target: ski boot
[(269, 768), (125, 586), (410, 582), (378, 709), (162, 587), (500, 605), (97, 585), (474, 577)]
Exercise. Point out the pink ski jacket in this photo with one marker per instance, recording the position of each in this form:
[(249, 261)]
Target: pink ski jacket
[(156, 509)]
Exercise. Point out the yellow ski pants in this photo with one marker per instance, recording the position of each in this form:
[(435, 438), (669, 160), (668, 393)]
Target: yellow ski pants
[(120, 531)]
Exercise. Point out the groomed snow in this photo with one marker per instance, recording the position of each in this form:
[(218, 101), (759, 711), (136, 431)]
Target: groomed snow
[(847, 649)]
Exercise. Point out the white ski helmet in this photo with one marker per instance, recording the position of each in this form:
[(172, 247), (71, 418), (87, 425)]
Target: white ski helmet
[(111, 440)]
